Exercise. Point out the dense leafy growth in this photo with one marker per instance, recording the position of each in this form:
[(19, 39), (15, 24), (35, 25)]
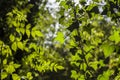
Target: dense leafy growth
[(85, 46)]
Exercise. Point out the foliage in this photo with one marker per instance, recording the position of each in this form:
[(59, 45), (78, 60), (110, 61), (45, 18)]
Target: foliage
[(86, 46), (94, 38), (21, 43)]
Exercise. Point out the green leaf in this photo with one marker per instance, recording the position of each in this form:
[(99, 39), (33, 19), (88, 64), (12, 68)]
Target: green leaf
[(14, 46), (33, 45), (14, 23), (29, 75), (81, 77), (88, 56), (34, 28), (3, 75), (17, 65), (74, 74), (26, 49), (60, 67), (91, 7), (94, 65), (15, 77), (101, 63), (115, 37), (60, 37), (18, 30), (55, 67), (107, 49), (38, 33), (72, 43), (11, 37), (105, 75), (28, 26), (28, 33), (75, 57), (52, 65), (5, 61), (33, 34), (117, 77), (20, 45), (18, 38), (85, 66), (88, 47), (10, 69), (62, 3), (22, 30)]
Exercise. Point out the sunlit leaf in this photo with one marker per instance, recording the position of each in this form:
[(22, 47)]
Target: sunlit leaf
[(5, 61), (88, 56), (107, 49), (55, 67), (88, 47), (12, 37), (60, 37), (28, 33), (33, 34), (15, 77), (62, 3), (74, 74), (81, 77), (94, 65), (60, 67), (52, 65), (28, 26), (10, 69), (38, 33), (22, 30), (90, 7), (14, 46), (3, 75), (29, 75), (18, 30), (115, 37), (14, 23), (72, 43), (18, 38), (20, 45), (32, 45), (17, 65), (105, 75)]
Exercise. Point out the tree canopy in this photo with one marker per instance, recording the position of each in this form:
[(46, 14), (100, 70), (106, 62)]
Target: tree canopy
[(78, 41)]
